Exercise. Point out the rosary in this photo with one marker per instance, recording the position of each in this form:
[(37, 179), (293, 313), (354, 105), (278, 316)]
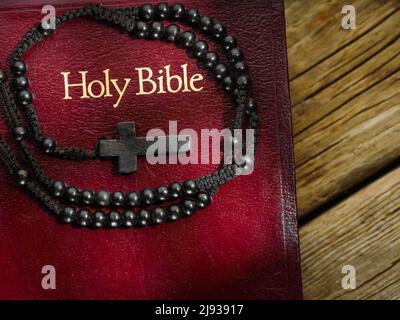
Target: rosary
[(105, 209)]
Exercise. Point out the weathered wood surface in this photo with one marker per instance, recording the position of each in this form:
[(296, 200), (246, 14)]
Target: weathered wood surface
[(345, 95), (346, 119), (362, 231)]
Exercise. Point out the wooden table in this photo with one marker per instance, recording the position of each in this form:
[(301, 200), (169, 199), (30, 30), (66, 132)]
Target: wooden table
[(345, 91)]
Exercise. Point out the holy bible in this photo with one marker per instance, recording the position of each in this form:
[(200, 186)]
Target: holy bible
[(243, 246)]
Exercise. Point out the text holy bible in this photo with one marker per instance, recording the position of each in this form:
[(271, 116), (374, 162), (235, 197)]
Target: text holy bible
[(144, 82), (88, 77)]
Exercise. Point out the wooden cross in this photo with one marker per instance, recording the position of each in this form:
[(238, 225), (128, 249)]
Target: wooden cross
[(128, 147)]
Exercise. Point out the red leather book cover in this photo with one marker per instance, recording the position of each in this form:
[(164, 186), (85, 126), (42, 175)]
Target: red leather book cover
[(244, 246)]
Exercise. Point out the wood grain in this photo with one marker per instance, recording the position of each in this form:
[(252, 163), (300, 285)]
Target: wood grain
[(346, 121), (345, 97), (362, 231)]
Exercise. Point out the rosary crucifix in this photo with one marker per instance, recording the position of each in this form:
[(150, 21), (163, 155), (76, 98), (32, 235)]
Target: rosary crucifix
[(128, 147)]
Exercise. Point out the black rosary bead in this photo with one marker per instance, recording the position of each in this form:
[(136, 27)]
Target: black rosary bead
[(218, 30), (114, 219), (189, 187), (19, 133), (188, 207), (48, 145), (158, 215), (156, 30), (193, 16), (206, 23), (250, 106), (174, 212), (18, 68), (68, 215), (84, 218), (200, 49), (229, 42), (203, 200), (58, 188), (162, 193), (175, 190), (161, 11), (211, 60), (22, 177), (133, 199), (130, 218), (146, 11), (100, 219), (87, 197), (3, 76), (72, 194), (144, 217), (254, 120), (187, 39), (148, 196), (117, 199), (25, 97), (227, 83), (235, 54), (21, 83), (172, 33), (177, 12), (220, 71), (240, 67), (243, 81), (103, 198), (141, 29)]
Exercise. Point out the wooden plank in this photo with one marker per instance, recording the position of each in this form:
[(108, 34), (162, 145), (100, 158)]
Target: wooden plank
[(347, 146), (344, 95), (346, 111), (317, 24), (362, 231), (356, 66)]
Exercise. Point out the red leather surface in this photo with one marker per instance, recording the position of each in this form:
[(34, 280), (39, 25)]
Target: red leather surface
[(245, 246)]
